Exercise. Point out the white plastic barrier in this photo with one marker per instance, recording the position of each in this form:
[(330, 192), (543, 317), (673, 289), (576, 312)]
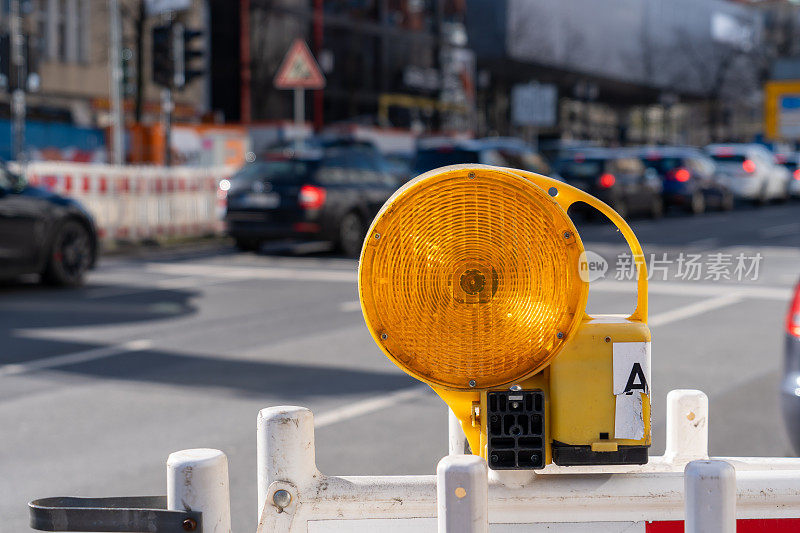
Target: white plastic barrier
[(295, 497), (135, 203)]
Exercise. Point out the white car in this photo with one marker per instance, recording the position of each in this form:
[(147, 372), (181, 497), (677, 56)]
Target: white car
[(750, 171)]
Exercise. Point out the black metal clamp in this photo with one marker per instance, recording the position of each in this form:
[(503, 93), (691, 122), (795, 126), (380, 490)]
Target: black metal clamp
[(140, 514)]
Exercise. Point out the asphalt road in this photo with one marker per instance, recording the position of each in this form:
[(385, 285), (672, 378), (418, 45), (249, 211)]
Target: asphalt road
[(177, 350)]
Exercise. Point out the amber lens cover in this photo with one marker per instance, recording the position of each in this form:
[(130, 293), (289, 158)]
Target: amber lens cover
[(469, 278)]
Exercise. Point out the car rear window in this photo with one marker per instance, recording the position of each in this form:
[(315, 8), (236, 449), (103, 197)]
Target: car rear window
[(285, 172), (429, 159), (728, 158), (581, 169), (662, 165)]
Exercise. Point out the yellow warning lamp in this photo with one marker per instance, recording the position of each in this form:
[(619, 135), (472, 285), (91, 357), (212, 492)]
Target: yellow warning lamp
[(473, 279)]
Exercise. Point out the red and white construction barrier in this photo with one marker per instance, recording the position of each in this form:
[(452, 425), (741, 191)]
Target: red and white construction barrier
[(136, 203), (680, 491)]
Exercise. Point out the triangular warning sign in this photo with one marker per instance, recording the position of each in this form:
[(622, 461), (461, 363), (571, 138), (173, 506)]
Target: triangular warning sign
[(299, 69)]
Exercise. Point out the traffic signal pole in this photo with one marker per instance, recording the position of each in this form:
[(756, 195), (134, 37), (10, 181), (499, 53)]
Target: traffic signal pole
[(167, 106), (115, 66), (17, 73)]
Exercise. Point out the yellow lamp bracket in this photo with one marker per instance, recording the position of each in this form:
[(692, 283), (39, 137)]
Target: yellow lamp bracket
[(469, 280)]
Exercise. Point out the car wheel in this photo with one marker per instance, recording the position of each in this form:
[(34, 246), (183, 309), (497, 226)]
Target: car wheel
[(657, 209), (247, 245), (785, 196), (351, 234), (728, 202), (70, 255), (697, 204), (620, 208), (762, 197)]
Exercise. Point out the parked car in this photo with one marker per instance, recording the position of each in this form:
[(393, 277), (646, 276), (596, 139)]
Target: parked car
[(791, 162), (43, 233), (790, 386), (616, 177), (750, 171), (499, 151), (310, 192), (689, 178)]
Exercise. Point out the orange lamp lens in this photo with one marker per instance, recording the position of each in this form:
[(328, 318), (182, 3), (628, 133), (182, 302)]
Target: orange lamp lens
[(469, 278)]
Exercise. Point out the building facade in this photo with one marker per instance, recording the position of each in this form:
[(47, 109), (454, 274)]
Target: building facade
[(68, 71)]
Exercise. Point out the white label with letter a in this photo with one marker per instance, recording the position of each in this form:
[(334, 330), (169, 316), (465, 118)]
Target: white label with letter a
[(631, 380)]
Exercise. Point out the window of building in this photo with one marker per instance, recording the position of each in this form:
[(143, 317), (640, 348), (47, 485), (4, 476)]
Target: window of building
[(64, 30)]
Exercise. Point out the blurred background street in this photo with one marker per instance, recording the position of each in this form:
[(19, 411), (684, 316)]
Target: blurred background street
[(185, 186), (179, 350)]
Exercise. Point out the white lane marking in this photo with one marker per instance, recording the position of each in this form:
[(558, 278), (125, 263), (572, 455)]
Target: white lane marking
[(160, 285), (698, 289), (780, 231), (660, 319), (220, 271), (348, 276), (350, 307), (698, 308), (370, 405), (704, 243), (74, 358)]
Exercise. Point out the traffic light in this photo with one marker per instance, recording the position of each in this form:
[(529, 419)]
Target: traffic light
[(192, 54), (176, 54), (163, 64), (473, 279), (5, 62)]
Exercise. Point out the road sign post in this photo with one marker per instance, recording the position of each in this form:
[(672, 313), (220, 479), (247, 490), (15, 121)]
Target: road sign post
[(299, 71)]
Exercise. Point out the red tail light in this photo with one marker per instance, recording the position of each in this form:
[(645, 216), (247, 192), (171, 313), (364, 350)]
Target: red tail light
[(748, 166), (311, 197), (796, 174), (680, 174), (793, 317), (607, 180)]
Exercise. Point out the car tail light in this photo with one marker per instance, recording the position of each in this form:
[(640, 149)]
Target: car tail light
[(796, 174), (793, 317), (680, 174), (748, 166), (607, 180), (311, 197)]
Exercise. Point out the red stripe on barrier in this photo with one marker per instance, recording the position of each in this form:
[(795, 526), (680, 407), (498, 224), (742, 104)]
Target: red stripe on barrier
[(124, 185), (87, 184), (49, 182), (33, 179), (103, 184), (68, 183), (182, 184), (750, 525)]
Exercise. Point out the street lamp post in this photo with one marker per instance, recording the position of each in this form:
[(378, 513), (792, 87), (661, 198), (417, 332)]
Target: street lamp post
[(115, 67), (18, 74)]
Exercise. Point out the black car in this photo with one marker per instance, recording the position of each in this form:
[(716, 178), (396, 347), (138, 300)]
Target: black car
[(790, 385), (43, 233), (689, 177), (499, 151), (326, 193), (617, 178)]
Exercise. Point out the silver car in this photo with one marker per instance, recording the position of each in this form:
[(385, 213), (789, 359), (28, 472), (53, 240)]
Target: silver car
[(751, 172)]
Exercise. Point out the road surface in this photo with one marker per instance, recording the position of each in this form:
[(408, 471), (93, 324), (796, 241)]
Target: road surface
[(177, 350)]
